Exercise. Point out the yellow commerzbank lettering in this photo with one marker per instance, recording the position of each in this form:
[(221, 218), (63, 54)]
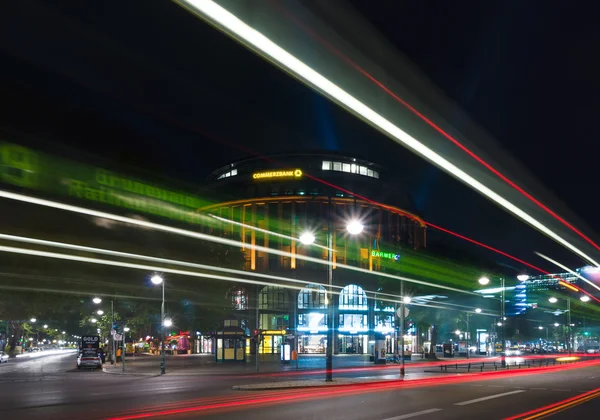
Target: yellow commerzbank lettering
[(285, 173)]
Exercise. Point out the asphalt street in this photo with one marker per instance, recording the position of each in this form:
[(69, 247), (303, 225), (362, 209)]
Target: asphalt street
[(51, 387)]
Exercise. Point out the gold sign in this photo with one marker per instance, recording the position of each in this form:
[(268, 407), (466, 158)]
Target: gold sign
[(284, 173), (273, 332)]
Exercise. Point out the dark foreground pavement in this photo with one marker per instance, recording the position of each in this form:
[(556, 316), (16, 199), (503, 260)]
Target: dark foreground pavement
[(50, 387)]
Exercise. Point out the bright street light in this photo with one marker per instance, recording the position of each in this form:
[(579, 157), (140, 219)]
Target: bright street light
[(457, 332), (523, 277), (484, 280), (585, 298), (355, 227), (478, 310), (45, 325), (100, 312), (64, 332), (553, 300), (406, 299), (540, 328), (93, 320), (307, 238), (126, 329), (499, 324), (556, 324), (167, 322), (97, 300), (156, 279), (33, 319)]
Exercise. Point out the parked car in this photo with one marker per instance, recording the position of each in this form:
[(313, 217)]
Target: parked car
[(3, 357), (89, 360)]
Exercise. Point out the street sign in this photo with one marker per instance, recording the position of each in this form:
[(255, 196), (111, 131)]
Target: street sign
[(399, 312), (118, 337)]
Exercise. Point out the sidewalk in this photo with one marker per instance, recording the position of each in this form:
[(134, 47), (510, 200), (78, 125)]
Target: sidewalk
[(205, 364)]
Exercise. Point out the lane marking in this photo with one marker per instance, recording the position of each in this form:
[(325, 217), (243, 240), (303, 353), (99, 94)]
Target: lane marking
[(558, 407), (489, 397), (415, 414)]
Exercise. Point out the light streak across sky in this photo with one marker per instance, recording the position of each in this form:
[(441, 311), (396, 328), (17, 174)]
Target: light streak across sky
[(210, 238), (564, 267), (150, 268), (433, 125), (232, 25)]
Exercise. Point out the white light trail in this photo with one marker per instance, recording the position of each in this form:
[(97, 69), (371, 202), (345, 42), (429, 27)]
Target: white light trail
[(564, 267), (268, 232), (77, 258), (210, 238), (232, 25)]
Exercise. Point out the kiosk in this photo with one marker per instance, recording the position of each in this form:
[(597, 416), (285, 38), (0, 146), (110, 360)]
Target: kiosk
[(230, 343)]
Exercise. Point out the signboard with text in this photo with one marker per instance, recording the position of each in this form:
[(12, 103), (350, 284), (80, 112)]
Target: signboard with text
[(90, 341)]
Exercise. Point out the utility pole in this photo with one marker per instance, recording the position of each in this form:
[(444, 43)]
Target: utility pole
[(503, 316), (402, 367), (468, 334), (330, 320), (113, 355), (258, 337), (569, 325)]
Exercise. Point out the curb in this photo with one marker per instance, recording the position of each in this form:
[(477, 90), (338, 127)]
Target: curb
[(108, 372)]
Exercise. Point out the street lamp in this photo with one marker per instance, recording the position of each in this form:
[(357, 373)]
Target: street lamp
[(126, 329), (483, 281), (552, 300), (156, 280), (355, 227), (523, 277), (167, 323), (45, 325), (33, 320), (556, 324), (100, 312), (540, 328), (478, 310), (584, 298), (64, 332), (457, 332), (97, 300), (307, 238), (93, 320), (568, 329)]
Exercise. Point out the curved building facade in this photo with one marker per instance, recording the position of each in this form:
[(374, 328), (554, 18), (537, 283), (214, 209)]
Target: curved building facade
[(265, 202)]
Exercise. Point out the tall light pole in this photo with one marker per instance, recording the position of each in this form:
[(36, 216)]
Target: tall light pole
[(568, 326), (405, 300), (484, 281), (156, 279), (354, 227)]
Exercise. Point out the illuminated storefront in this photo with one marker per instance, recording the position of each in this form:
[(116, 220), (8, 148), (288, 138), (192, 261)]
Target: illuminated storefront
[(353, 326)]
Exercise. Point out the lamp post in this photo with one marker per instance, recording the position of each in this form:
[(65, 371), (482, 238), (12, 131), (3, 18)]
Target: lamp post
[(156, 279), (484, 281), (405, 300), (568, 326), (354, 227)]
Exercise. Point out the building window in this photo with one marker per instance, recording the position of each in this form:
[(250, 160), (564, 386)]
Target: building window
[(233, 172), (273, 297), (274, 321), (353, 322), (313, 321), (353, 297), (239, 298), (384, 323), (349, 168), (312, 297)]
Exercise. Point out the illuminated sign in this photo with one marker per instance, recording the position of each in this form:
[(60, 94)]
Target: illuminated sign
[(273, 332), (284, 173), (388, 255)]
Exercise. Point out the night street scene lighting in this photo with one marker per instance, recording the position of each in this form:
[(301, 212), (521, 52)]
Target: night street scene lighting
[(317, 194)]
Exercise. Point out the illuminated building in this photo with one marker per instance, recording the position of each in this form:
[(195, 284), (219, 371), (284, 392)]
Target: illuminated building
[(280, 194)]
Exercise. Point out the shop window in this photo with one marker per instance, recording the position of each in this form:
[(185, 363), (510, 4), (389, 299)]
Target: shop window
[(239, 299), (274, 321), (312, 297), (273, 297), (353, 297)]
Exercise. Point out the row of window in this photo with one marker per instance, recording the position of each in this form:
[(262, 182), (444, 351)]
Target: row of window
[(233, 172), (351, 168), (352, 297), (315, 321)]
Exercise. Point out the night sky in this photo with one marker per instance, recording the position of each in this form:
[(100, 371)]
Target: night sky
[(160, 90)]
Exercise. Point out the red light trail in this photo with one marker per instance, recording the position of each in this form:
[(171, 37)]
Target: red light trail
[(433, 125), (200, 406)]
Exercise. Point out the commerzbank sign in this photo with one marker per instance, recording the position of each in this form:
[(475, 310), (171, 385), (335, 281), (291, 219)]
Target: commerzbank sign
[(282, 173), (32, 170)]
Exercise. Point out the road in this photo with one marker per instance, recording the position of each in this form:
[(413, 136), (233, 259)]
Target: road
[(50, 387)]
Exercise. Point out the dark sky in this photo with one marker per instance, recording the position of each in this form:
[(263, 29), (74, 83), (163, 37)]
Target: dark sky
[(161, 90)]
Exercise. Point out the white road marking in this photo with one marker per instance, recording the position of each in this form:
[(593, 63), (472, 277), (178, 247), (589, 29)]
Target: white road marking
[(415, 414), (490, 397)]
